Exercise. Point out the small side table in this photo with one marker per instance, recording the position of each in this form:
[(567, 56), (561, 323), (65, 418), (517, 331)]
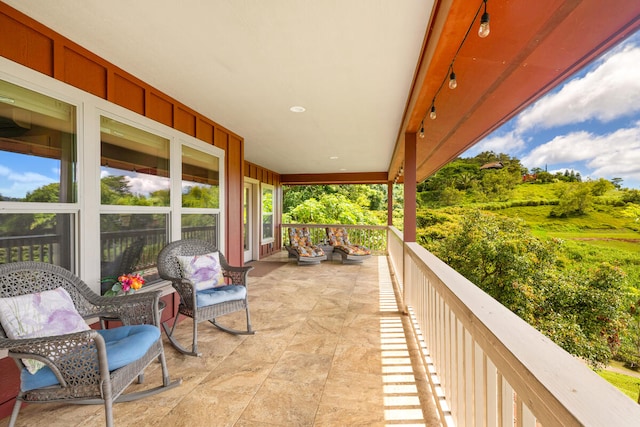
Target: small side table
[(328, 251), (103, 320)]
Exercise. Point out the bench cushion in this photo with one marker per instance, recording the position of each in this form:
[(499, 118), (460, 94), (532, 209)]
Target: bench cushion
[(220, 294)]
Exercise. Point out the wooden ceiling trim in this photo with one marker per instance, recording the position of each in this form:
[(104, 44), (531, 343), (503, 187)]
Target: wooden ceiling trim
[(335, 178)]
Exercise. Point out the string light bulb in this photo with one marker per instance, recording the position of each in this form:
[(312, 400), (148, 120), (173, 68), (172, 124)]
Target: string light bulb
[(432, 114), (484, 29), (453, 83)]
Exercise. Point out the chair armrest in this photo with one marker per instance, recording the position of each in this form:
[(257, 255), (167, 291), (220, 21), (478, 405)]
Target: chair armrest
[(70, 357), (186, 289), (134, 309), (238, 275)]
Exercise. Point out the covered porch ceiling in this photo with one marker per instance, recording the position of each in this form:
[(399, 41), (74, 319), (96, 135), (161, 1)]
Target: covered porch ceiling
[(367, 72)]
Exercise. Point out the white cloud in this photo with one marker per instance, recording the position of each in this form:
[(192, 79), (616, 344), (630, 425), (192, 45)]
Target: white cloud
[(506, 143), (616, 154), (568, 148), (146, 184), (611, 90), (17, 185)]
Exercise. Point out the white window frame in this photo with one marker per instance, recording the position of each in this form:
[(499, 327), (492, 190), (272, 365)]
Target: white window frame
[(87, 210)]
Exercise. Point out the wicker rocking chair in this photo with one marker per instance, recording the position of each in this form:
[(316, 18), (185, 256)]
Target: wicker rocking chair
[(203, 304), (81, 365)]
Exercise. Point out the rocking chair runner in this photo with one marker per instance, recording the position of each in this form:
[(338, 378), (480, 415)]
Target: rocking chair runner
[(203, 304), (82, 365)]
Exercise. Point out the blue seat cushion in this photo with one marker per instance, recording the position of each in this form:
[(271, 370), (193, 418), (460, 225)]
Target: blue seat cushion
[(125, 344), (220, 294)]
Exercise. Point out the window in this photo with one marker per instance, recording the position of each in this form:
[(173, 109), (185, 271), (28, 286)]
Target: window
[(97, 189), (200, 195), (135, 199), (267, 213), (134, 166), (38, 177)]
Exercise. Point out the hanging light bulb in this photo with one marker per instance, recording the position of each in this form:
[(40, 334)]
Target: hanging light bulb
[(453, 83), (421, 134), (432, 114), (484, 29)]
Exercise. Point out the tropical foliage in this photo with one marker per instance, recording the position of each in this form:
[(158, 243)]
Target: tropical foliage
[(559, 252)]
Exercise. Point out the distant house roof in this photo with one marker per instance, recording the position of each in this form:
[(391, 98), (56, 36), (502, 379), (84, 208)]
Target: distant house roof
[(492, 165)]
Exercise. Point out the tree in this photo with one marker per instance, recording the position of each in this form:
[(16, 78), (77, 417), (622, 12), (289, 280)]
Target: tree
[(329, 209), (49, 193), (631, 196), (601, 186), (574, 199), (372, 197), (450, 196), (630, 345), (112, 188), (498, 184), (199, 196), (580, 310), (617, 182), (583, 312), (499, 256)]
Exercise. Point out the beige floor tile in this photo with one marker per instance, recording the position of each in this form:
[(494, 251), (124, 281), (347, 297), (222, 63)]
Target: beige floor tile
[(329, 350)]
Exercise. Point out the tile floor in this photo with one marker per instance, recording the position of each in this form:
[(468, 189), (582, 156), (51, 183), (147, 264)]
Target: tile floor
[(330, 350)]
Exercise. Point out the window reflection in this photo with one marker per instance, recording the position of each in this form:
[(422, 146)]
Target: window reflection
[(37, 147), (200, 226), (38, 165), (51, 240), (200, 179), (134, 166), (130, 243)]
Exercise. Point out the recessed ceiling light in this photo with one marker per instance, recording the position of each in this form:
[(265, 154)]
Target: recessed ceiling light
[(343, 169), (333, 158), (298, 109)]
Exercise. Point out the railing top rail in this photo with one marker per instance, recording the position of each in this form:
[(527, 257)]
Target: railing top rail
[(360, 226), (558, 388)]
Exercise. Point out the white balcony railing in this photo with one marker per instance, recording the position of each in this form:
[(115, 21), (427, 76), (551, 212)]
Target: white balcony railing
[(486, 365)]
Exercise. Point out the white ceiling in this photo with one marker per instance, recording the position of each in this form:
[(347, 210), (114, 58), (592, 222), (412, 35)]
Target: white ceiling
[(244, 63)]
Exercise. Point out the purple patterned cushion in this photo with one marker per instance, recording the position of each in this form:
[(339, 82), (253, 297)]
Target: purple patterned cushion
[(204, 270), (41, 314)]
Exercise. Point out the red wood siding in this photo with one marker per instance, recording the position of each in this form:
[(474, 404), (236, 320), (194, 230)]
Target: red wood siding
[(84, 73), (185, 121), (127, 93), (204, 130), (28, 46)]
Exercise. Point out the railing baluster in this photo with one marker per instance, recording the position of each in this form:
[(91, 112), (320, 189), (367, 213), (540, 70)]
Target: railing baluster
[(494, 369)]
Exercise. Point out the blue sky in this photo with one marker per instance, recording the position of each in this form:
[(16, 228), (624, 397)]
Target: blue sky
[(20, 173), (589, 124)]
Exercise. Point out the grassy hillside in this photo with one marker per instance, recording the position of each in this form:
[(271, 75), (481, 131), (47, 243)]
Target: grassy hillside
[(602, 234)]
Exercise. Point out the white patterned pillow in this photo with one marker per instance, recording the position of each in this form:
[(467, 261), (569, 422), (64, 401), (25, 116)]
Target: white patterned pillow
[(41, 314), (204, 270)]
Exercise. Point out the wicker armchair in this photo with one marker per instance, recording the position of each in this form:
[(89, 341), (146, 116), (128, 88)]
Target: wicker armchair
[(90, 366), (201, 305)]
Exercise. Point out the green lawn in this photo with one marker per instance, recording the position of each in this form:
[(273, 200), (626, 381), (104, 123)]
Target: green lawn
[(627, 384)]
